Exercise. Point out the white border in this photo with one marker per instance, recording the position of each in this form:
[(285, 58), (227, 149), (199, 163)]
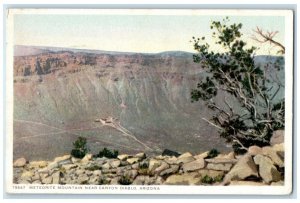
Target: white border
[(261, 190)]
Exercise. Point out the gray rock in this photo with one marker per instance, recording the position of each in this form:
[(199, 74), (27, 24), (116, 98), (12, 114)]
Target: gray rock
[(171, 170), (27, 175), (86, 158), (171, 160), (52, 165), (37, 182), (219, 166), (210, 173), (106, 166), (141, 180), (115, 181), (94, 180), (153, 164), (123, 157), (133, 160), (83, 179), (131, 174), (185, 179), (267, 170), (47, 180), (183, 160), (141, 156), (20, 162), (245, 167), (277, 137), (70, 166), (97, 173), (194, 165), (254, 150), (202, 155)]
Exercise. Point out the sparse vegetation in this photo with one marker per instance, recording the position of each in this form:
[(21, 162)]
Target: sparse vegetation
[(108, 153), (255, 110), (210, 180), (143, 168), (125, 180), (80, 148), (93, 168)]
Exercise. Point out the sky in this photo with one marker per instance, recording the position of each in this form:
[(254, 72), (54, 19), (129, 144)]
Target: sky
[(133, 33)]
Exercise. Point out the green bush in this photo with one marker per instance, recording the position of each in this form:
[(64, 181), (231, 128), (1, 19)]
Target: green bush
[(210, 180), (213, 153), (80, 148), (108, 153)]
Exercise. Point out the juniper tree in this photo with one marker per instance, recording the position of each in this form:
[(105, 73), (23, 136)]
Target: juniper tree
[(233, 71)]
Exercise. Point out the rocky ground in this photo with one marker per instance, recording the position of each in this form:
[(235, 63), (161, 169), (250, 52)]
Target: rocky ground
[(259, 166)]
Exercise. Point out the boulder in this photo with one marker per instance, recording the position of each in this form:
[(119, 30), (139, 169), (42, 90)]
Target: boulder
[(115, 163), (87, 158), (153, 164), (185, 179), (171, 160), (186, 154), (133, 160), (171, 170), (254, 150), (123, 157), (184, 160), (226, 156), (105, 166), (194, 165), (131, 174), (244, 168), (141, 156), (202, 155), (38, 164), (210, 173), (56, 177), (97, 173), (163, 166), (273, 155), (250, 183), (279, 183), (69, 166), (277, 137), (20, 162), (26, 175), (83, 179), (168, 152), (141, 180), (219, 166), (267, 170), (47, 180), (52, 165)]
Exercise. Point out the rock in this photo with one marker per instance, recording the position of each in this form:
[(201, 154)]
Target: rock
[(254, 150), (20, 162), (279, 148), (97, 173), (194, 165), (94, 180), (135, 166), (115, 181), (83, 179), (141, 180), (62, 158), (115, 163), (35, 177), (69, 166), (75, 160), (273, 155), (56, 177), (23, 182), (153, 164), (187, 154), (159, 181), (171, 160), (80, 172), (47, 180), (250, 183), (245, 167), (160, 157), (277, 137), (185, 159), (141, 156), (131, 174), (162, 167), (106, 166), (202, 155), (38, 164), (185, 179), (279, 183), (37, 182), (86, 158), (221, 161), (267, 170), (26, 175), (210, 173), (133, 160), (52, 165), (219, 166), (123, 157), (229, 156), (171, 170), (168, 152)]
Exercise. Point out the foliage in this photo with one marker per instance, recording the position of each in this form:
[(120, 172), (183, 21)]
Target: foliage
[(213, 153), (210, 180), (254, 111), (125, 180), (80, 148), (143, 168), (93, 168), (108, 153)]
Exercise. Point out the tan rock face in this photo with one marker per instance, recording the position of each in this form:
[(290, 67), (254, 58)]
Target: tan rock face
[(194, 165), (123, 157), (245, 167), (277, 137), (267, 170), (254, 150), (20, 162), (246, 183), (38, 164), (219, 166), (185, 159), (273, 155), (133, 160), (184, 179)]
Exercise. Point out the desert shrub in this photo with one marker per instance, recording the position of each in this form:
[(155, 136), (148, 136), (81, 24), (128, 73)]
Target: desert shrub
[(143, 168), (125, 180), (108, 153), (213, 153), (93, 168), (80, 148), (210, 180)]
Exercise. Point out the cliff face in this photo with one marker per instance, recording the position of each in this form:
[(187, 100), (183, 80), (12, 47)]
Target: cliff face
[(58, 96)]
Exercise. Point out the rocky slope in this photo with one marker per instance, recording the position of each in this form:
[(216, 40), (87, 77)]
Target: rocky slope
[(259, 166)]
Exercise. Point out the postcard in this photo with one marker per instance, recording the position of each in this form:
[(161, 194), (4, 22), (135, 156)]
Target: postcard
[(149, 101)]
